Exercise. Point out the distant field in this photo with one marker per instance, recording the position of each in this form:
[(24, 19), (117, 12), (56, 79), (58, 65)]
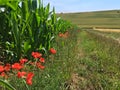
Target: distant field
[(102, 19), (107, 30), (111, 33)]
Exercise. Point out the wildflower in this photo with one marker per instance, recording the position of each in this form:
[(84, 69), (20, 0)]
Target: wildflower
[(41, 66), (42, 60), (7, 67), (36, 54), (32, 63), (52, 50), (21, 74), (3, 74), (22, 61), (29, 78), (17, 66), (1, 68), (61, 35), (38, 64)]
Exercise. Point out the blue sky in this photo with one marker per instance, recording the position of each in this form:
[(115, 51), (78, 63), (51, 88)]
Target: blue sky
[(83, 5)]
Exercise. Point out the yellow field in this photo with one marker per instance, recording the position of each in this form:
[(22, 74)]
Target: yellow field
[(107, 30)]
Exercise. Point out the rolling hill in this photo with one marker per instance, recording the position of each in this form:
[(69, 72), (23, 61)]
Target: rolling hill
[(102, 19)]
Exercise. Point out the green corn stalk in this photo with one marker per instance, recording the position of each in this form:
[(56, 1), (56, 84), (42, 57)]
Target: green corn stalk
[(33, 27), (10, 8)]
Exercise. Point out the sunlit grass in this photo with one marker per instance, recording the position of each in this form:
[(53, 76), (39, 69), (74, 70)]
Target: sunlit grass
[(99, 68), (58, 68)]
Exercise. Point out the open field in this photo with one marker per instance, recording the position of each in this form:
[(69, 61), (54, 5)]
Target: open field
[(107, 30), (106, 19), (113, 34), (97, 65), (51, 55)]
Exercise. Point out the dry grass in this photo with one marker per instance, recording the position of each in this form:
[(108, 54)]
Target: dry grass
[(107, 30)]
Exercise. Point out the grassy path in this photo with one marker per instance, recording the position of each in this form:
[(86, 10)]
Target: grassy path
[(84, 61), (97, 64)]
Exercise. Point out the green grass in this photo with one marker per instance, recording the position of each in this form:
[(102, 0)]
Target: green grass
[(58, 67), (85, 60), (90, 57), (115, 35), (108, 19), (98, 68)]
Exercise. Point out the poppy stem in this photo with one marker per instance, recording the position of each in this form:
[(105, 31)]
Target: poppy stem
[(26, 84)]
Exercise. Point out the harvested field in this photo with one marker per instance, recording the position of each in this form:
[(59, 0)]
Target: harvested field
[(107, 30)]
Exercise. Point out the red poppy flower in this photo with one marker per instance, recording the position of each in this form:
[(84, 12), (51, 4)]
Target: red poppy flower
[(42, 60), (52, 50), (61, 35), (32, 63), (21, 74), (29, 78), (17, 66), (1, 68), (36, 54), (39, 65), (7, 67), (22, 61), (3, 74)]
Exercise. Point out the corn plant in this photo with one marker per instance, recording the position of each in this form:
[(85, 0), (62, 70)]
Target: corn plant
[(63, 25), (30, 27)]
